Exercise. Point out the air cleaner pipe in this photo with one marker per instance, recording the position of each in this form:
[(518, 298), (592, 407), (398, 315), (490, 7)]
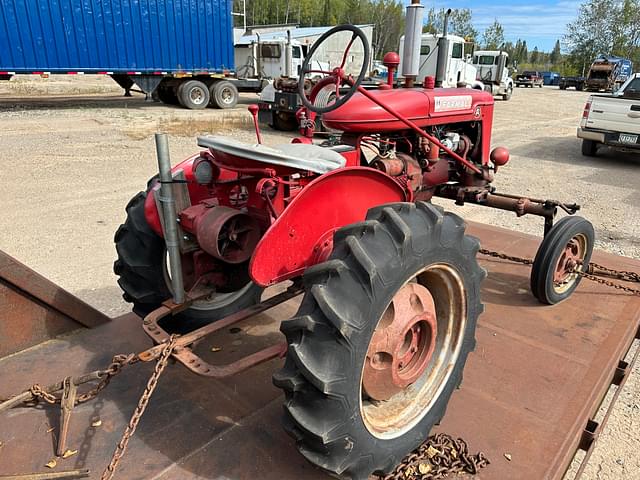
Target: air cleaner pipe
[(412, 42), (168, 204)]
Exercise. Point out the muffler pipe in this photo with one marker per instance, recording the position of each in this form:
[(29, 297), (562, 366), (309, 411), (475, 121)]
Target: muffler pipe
[(412, 43), (168, 206), (443, 52)]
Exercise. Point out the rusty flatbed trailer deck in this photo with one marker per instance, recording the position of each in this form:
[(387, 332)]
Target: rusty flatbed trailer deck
[(536, 378)]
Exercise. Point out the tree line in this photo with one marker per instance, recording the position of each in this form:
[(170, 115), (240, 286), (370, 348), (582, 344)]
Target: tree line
[(610, 27), (387, 16)]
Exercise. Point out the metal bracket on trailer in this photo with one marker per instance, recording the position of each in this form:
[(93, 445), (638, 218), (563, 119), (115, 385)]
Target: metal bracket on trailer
[(593, 429), (184, 354)]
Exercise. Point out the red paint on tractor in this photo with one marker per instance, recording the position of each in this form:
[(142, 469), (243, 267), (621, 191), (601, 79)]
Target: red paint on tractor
[(333, 200), (197, 192)]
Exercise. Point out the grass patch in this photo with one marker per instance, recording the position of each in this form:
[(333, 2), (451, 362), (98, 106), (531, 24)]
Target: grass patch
[(191, 126)]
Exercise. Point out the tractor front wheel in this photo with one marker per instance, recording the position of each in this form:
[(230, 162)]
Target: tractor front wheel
[(564, 251), (145, 280), (381, 338)]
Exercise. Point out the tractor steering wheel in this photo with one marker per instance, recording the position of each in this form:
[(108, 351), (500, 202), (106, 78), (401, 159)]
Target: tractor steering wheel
[(337, 76)]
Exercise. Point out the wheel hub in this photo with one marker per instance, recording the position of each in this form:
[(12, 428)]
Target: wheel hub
[(403, 343), (197, 96), (569, 259)]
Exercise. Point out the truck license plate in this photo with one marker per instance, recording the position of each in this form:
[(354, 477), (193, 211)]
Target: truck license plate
[(626, 138)]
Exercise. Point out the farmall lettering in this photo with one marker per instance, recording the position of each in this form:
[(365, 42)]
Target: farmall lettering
[(452, 103)]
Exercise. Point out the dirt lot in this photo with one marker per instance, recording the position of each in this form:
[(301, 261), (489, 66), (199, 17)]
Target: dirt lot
[(74, 151)]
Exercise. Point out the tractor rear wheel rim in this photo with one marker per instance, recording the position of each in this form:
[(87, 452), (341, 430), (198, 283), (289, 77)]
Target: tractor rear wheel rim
[(573, 255), (393, 403), (402, 344)]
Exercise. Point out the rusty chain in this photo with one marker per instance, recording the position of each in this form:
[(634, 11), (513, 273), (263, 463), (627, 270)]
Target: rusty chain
[(439, 456), (594, 271), (115, 367), (121, 447)]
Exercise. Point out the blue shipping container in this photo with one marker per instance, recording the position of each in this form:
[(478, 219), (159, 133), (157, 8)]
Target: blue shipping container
[(119, 36)]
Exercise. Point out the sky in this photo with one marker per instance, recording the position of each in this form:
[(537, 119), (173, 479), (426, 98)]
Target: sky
[(539, 22)]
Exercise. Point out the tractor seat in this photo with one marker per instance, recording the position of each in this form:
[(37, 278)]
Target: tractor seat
[(299, 156)]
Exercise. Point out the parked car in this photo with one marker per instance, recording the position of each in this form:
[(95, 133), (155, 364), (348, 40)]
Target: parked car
[(612, 120), (529, 79)]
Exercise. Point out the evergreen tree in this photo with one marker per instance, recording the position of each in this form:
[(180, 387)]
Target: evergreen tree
[(494, 36), (554, 56)]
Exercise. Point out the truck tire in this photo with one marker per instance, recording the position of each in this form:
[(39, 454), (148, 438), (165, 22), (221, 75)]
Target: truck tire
[(579, 87), (507, 95), (168, 95), (562, 87), (570, 238), (193, 94), (224, 94), (344, 420), (589, 148), (141, 268)]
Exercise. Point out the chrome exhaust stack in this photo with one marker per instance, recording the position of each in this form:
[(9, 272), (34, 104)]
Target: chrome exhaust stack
[(412, 43)]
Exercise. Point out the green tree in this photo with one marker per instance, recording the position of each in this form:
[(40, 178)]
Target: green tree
[(493, 36), (595, 31), (535, 56), (460, 23), (554, 56)]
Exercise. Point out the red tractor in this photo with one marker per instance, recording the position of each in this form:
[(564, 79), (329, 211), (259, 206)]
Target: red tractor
[(390, 281)]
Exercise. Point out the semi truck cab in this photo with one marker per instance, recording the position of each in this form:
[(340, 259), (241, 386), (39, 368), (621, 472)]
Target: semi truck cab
[(459, 71), (492, 70)]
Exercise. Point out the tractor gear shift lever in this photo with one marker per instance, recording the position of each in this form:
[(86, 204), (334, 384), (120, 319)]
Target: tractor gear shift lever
[(253, 109)]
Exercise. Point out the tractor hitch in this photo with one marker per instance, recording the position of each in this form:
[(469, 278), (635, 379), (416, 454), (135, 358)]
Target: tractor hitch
[(183, 351), (518, 204)]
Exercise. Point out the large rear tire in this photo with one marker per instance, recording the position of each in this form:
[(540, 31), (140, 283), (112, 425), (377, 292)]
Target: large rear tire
[(329, 377), (143, 277)]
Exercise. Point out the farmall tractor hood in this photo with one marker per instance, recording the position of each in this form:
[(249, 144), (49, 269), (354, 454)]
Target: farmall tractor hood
[(417, 104)]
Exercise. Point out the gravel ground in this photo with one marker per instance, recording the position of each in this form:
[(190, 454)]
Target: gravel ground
[(74, 152)]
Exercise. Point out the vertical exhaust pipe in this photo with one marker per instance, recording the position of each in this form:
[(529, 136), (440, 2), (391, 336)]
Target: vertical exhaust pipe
[(412, 43), (443, 52), (170, 218), (288, 56), (258, 57)]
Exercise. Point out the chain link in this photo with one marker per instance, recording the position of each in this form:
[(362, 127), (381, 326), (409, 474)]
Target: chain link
[(439, 456), (594, 271), (504, 256), (140, 408), (115, 367)]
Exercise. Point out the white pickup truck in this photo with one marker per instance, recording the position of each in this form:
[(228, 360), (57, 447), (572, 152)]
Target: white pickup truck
[(612, 120)]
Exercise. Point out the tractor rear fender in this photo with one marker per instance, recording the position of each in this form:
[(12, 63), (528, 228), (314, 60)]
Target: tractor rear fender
[(302, 235)]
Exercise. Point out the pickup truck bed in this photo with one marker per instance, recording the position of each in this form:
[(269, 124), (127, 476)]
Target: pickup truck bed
[(612, 120)]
